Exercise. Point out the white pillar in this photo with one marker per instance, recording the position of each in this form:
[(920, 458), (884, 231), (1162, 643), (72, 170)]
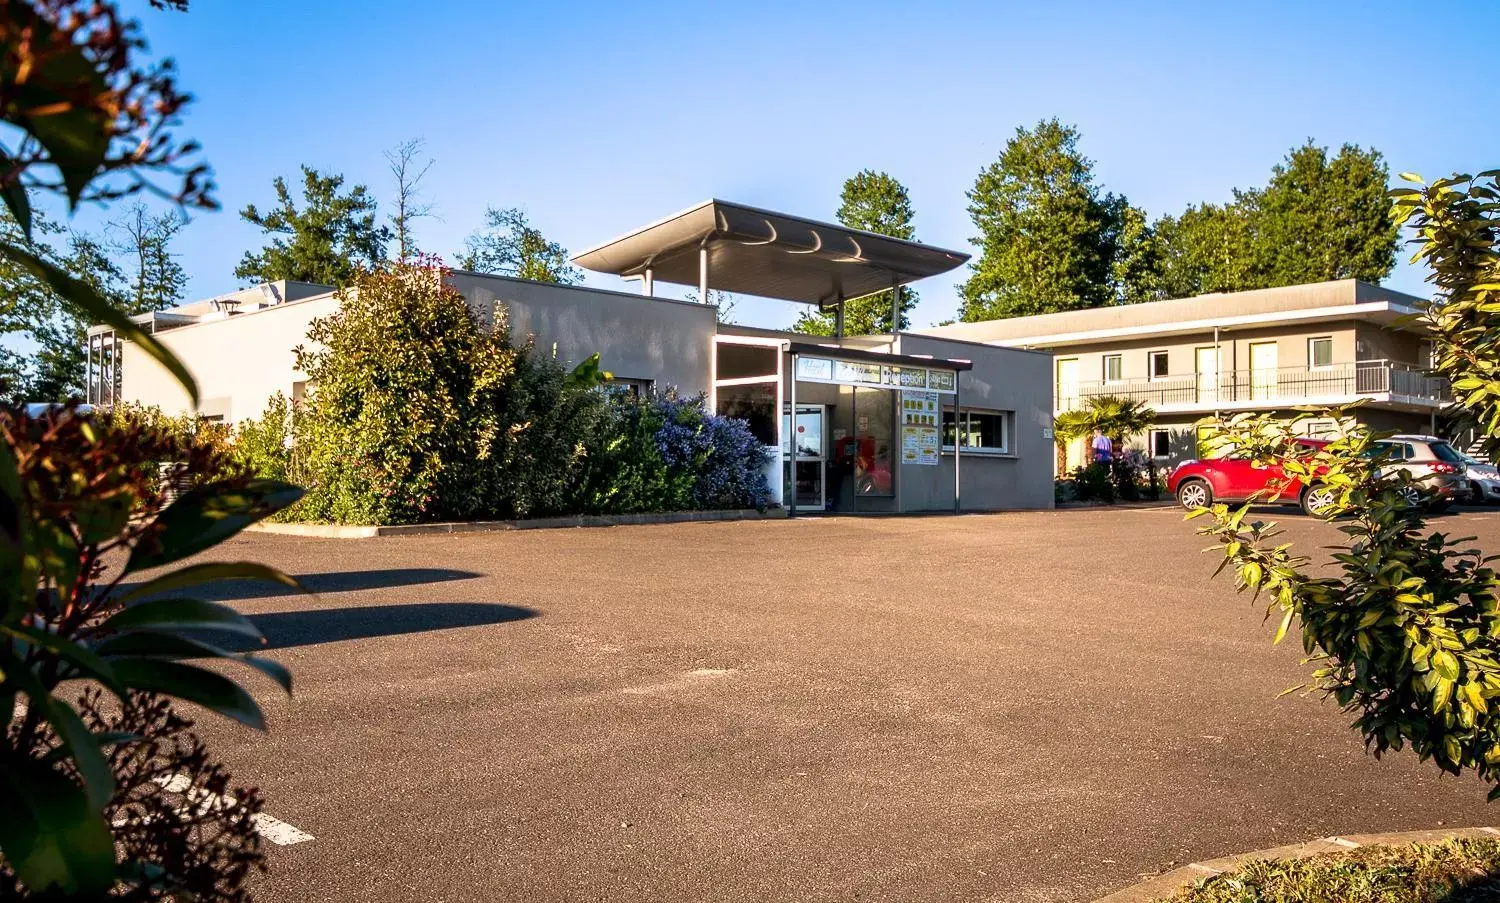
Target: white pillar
[(703, 274)]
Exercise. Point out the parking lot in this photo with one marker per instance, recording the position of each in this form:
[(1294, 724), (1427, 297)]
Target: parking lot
[(1035, 706)]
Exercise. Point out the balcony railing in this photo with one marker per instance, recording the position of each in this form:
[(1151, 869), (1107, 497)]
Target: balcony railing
[(1279, 385)]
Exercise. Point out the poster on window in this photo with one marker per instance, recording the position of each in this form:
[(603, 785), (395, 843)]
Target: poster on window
[(919, 445), (921, 416)]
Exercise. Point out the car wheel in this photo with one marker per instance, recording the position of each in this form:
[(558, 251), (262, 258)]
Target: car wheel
[(1412, 495), (1318, 501), (1195, 494), (1477, 494), (1438, 507)]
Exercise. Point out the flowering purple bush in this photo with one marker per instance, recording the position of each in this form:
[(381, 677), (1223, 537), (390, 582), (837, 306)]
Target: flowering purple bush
[(722, 461)]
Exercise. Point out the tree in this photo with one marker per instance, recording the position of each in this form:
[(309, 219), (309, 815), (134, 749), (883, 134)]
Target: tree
[(1204, 250), (326, 241), (1136, 269), (408, 171), (1406, 631), (57, 367), (1046, 235), (157, 280), (1318, 219), (875, 202), (508, 245)]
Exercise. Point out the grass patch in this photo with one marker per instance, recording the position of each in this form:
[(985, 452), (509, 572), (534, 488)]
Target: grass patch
[(1454, 871)]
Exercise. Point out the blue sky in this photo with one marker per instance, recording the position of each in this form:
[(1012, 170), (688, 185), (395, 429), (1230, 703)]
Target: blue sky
[(599, 117)]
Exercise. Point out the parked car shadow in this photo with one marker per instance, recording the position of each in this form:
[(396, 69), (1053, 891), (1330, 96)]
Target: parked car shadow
[(329, 582), (285, 629)]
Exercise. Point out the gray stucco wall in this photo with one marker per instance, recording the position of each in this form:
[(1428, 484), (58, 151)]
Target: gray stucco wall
[(636, 337), (1003, 379)]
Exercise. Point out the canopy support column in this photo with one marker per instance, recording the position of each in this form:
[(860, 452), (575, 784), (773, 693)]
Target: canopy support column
[(958, 441), (789, 445), (703, 273), (648, 283), (838, 318)]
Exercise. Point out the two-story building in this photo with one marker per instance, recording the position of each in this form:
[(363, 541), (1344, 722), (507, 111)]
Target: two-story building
[(1272, 350)]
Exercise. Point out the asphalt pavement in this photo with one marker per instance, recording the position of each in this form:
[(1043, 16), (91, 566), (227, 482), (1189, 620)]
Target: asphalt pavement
[(1034, 706)]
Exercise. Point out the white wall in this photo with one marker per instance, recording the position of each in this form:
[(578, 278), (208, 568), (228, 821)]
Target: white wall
[(238, 363)]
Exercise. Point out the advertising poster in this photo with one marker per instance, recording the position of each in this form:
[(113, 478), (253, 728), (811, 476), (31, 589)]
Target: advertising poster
[(921, 425)]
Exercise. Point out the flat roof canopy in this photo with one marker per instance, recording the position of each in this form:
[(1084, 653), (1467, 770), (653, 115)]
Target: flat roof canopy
[(773, 255)]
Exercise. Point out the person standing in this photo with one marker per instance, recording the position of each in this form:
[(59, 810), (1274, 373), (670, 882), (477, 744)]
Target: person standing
[(1103, 448)]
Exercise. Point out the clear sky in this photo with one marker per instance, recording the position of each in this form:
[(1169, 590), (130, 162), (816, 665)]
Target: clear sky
[(599, 117)]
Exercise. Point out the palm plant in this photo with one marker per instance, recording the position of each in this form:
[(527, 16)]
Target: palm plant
[(1113, 416)]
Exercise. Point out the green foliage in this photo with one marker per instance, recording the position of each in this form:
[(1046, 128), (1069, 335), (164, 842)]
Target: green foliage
[(1318, 219), (405, 408), (1454, 871), (78, 493), (508, 245), (1206, 249), (1455, 224), (263, 445), (327, 241), (875, 202), (1047, 236), (1113, 416), (1093, 482), (553, 421), (1405, 630)]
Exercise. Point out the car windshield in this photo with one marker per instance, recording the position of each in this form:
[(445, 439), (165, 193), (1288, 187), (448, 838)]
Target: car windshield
[(1445, 452)]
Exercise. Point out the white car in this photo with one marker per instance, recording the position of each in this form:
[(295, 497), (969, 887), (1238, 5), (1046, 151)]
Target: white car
[(1484, 481)]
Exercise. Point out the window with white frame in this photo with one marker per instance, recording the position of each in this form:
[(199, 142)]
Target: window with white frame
[(1112, 368), (1156, 365), (1161, 443), (1320, 352), (624, 385), (982, 431)]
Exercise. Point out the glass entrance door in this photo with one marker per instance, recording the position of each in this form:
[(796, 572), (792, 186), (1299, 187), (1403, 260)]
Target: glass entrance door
[(807, 471)]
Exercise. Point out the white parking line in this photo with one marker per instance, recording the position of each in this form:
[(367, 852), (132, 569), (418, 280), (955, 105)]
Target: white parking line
[(273, 829)]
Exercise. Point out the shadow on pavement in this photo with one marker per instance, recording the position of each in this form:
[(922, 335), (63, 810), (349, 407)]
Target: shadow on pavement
[(328, 582), (284, 629)]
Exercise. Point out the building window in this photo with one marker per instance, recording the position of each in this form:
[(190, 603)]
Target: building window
[(1320, 352), (984, 431), (632, 388), (1157, 361), (1161, 443), (1112, 368)]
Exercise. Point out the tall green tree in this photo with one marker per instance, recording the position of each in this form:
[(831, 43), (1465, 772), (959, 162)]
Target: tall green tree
[(875, 202), (1319, 218), (1136, 264), (1206, 249), (1047, 235), (508, 245), (326, 240), (1323, 218)]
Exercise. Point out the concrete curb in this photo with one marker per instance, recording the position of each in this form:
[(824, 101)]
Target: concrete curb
[(1171, 882), (360, 531)]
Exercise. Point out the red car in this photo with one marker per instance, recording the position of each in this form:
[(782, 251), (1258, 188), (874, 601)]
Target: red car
[(1198, 484)]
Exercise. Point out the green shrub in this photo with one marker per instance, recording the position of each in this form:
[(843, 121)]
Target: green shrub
[(1094, 482), (404, 416)]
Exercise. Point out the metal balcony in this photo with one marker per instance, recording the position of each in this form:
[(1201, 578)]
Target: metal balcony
[(1338, 383)]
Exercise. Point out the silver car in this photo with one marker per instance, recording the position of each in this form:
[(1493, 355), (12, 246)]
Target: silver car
[(1484, 481), (1433, 464)]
